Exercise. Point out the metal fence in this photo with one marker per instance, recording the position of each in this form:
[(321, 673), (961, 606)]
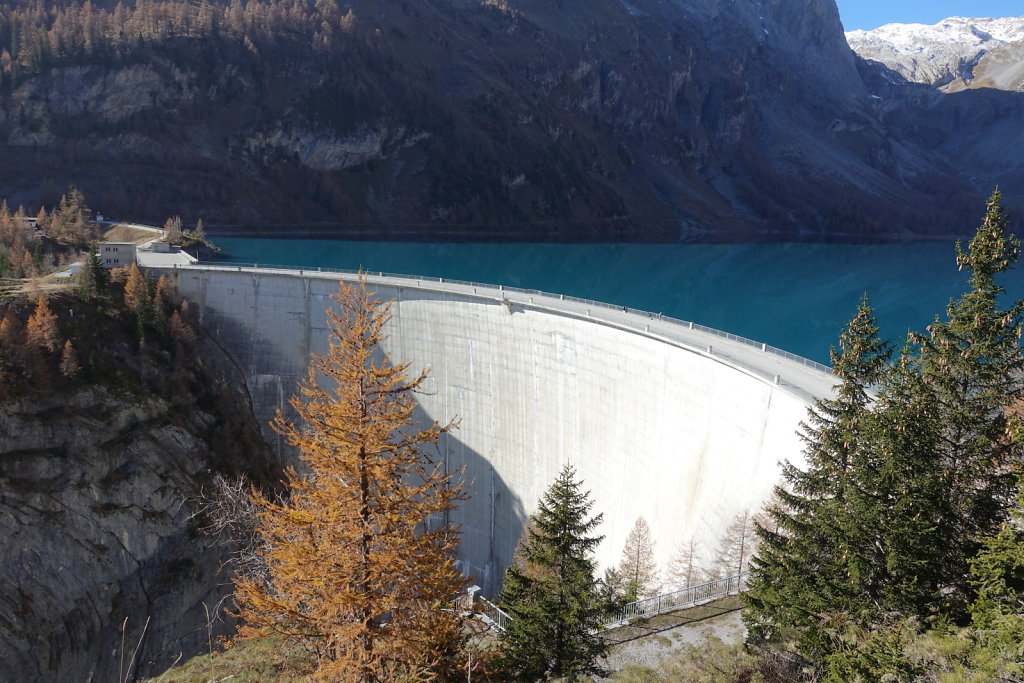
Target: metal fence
[(687, 597), (498, 291), (498, 617), (641, 609)]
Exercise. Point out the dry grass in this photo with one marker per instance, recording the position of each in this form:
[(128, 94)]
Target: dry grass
[(122, 233), (266, 660)]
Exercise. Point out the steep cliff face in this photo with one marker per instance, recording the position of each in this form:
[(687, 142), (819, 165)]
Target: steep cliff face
[(600, 120), (101, 560)]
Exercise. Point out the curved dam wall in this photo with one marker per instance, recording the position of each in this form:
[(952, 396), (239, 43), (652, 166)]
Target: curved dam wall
[(660, 419)]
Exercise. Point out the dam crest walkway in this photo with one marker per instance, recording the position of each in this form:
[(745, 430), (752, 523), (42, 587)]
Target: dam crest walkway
[(804, 378)]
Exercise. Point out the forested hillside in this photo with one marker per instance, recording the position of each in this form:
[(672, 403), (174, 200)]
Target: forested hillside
[(494, 120)]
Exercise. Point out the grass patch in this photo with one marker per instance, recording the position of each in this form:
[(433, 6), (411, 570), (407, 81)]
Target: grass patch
[(662, 641), (123, 233), (263, 660)]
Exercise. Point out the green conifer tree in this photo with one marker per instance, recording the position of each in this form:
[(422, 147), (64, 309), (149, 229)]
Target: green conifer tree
[(972, 361), (551, 592), (806, 564), (899, 502), (37, 255)]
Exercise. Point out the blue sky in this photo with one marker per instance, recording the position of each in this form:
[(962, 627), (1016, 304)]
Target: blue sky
[(868, 14)]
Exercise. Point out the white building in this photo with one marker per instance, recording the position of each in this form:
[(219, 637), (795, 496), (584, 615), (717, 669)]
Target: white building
[(117, 254)]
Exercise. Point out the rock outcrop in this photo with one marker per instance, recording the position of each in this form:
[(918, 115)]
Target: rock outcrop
[(103, 574)]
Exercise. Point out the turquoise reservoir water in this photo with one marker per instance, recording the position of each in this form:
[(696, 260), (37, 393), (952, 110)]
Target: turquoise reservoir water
[(793, 296)]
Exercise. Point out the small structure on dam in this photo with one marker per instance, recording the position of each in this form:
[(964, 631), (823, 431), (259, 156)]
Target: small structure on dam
[(667, 420)]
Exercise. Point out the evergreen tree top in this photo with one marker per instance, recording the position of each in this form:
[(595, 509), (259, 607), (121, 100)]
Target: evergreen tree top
[(562, 515), (862, 354), (992, 250)]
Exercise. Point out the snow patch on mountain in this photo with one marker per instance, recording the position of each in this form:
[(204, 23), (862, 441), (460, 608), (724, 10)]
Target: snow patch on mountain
[(936, 54)]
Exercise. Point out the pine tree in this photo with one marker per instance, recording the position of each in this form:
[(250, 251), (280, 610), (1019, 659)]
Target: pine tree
[(92, 276), (997, 575), (972, 361), (802, 568), (878, 533), (611, 591), (37, 255), (637, 568), (359, 556), (552, 595)]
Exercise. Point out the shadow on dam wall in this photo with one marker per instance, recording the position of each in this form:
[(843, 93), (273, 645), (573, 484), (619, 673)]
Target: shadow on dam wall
[(655, 424), (273, 379)]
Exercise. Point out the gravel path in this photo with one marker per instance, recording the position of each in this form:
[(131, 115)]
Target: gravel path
[(658, 639)]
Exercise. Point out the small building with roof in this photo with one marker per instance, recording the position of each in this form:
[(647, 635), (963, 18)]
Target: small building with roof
[(117, 254)]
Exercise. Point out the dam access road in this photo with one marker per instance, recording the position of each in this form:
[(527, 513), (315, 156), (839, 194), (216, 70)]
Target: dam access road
[(664, 419)]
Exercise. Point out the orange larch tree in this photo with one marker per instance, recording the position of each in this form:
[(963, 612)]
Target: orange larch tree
[(360, 557), (136, 292), (41, 330), (637, 569)]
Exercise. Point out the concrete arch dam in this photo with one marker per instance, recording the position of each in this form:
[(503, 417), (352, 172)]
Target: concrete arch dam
[(662, 419)]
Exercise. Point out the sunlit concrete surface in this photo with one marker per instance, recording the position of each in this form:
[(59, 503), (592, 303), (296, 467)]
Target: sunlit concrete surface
[(683, 426)]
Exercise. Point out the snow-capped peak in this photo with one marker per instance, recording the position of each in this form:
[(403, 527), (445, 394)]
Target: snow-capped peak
[(939, 53)]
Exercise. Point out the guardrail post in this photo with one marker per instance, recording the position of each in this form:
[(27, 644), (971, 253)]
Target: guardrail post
[(764, 347), (778, 379), (691, 324), (710, 348)]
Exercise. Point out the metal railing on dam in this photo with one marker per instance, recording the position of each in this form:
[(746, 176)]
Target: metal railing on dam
[(806, 378), (690, 596)]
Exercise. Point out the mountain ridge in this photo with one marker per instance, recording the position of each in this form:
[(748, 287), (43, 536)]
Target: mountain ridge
[(598, 121), (952, 54)]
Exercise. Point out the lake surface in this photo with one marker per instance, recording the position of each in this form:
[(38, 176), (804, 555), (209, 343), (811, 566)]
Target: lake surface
[(794, 296)]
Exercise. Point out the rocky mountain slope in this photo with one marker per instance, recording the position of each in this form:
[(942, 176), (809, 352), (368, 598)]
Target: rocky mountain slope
[(954, 54), (646, 120), (103, 574)]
